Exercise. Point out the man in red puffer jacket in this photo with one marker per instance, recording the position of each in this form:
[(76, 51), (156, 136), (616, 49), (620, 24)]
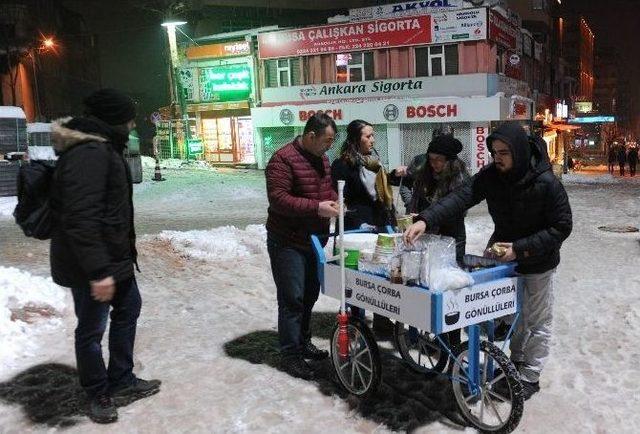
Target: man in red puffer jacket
[(301, 202)]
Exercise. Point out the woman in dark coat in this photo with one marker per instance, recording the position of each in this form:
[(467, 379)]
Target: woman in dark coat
[(367, 190), (442, 173)]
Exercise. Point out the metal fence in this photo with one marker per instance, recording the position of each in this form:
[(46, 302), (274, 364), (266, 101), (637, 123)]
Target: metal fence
[(416, 138), (170, 140)]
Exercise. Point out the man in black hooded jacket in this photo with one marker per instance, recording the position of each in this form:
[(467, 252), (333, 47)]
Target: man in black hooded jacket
[(532, 217), (93, 247)]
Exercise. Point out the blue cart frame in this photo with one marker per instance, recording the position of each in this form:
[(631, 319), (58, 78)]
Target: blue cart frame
[(473, 372)]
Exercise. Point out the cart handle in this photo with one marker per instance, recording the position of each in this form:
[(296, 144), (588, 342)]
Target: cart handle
[(388, 229)]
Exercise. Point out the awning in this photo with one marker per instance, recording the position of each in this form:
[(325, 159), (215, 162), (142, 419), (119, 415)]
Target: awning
[(562, 127)]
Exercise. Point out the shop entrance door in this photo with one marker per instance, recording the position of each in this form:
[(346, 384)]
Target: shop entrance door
[(219, 138)]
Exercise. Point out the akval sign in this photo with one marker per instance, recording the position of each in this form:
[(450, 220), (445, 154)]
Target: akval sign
[(404, 9)]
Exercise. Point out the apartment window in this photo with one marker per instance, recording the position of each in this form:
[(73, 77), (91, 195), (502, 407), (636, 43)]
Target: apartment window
[(538, 5), (282, 72), (437, 60), (500, 61), (354, 67)]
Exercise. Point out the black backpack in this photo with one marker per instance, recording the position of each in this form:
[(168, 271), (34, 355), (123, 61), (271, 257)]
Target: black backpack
[(33, 213)]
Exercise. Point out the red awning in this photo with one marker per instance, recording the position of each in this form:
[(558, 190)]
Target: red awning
[(562, 127)]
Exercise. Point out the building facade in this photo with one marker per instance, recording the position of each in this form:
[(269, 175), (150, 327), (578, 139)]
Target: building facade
[(410, 75)]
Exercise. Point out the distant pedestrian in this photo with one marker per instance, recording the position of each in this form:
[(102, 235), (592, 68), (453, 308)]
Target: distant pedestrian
[(301, 202), (632, 159), (622, 159), (93, 248), (611, 158)]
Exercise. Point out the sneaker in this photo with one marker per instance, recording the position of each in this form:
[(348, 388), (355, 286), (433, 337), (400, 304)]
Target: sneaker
[(312, 352), (137, 390), (297, 367), (102, 409), (529, 389)]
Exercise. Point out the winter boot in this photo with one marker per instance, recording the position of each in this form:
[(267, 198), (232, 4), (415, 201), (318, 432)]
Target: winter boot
[(102, 409), (312, 352), (530, 389), (297, 367), (137, 390), (382, 327)]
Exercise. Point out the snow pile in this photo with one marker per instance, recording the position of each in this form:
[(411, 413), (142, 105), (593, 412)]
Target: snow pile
[(575, 178), (7, 205), (22, 293), (219, 244), (147, 162), (174, 163)]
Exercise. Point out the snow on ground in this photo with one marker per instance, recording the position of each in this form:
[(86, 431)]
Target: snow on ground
[(208, 326), (7, 205), (219, 244), (29, 307)]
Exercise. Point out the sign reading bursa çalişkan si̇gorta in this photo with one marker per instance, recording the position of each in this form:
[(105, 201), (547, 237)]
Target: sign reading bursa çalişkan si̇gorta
[(340, 38)]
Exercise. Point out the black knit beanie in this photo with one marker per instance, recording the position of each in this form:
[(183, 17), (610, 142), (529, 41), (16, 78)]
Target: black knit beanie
[(447, 145), (110, 106)]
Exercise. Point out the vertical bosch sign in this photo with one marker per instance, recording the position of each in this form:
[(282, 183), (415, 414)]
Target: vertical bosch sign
[(480, 157)]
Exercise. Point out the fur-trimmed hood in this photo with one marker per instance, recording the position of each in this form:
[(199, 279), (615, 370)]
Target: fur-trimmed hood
[(64, 138), (69, 132)]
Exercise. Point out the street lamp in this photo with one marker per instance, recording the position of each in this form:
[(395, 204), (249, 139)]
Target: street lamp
[(170, 25), (174, 80), (48, 44)]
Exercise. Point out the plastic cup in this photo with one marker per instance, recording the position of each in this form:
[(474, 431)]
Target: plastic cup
[(351, 261), (404, 222)]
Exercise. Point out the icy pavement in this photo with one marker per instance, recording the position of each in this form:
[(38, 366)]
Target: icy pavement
[(207, 327)]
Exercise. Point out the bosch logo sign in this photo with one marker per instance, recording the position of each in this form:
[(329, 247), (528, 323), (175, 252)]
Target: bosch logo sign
[(286, 116), (391, 112), (433, 111)]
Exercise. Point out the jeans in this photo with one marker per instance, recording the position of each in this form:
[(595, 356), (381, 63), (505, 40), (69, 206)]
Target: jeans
[(531, 340), (296, 278), (92, 322)]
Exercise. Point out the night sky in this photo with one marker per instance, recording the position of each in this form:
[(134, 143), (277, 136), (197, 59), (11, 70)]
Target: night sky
[(616, 23)]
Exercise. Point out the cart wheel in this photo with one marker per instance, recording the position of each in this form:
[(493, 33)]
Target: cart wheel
[(498, 404), (360, 373), (420, 349)]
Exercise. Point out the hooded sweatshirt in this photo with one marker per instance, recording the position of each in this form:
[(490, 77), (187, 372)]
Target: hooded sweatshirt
[(528, 205)]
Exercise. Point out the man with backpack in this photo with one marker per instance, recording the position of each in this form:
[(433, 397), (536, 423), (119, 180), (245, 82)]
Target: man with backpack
[(93, 247), (532, 217)]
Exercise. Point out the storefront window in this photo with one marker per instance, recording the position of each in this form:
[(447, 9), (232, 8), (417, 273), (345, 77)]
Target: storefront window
[(354, 67), (284, 72), (437, 60)]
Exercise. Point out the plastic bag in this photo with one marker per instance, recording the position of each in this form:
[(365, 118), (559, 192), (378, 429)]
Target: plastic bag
[(410, 269), (443, 272)]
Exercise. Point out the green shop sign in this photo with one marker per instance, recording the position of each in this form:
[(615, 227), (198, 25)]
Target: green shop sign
[(195, 146), (225, 83)]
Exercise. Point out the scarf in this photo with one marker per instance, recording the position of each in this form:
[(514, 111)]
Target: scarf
[(374, 178)]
